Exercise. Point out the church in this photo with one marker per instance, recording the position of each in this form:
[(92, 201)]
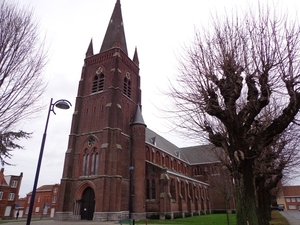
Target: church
[(116, 167)]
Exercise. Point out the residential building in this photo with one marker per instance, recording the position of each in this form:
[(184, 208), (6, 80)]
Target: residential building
[(9, 193), (45, 201), (289, 196), (115, 166)]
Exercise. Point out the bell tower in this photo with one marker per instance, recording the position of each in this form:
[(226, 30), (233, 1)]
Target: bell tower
[(96, 178)]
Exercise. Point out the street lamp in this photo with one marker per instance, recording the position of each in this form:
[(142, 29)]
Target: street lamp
[(130, 191), (62, 104)]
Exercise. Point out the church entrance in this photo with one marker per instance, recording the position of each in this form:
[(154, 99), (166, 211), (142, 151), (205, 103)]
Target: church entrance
[(88, 204)]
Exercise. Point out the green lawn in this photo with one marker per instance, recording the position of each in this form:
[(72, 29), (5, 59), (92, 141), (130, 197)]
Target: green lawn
[(213, 219), (210, 219)]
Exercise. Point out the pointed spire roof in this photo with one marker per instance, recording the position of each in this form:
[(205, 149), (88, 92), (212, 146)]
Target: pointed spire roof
[(115, 35), (136, 57), (138, 118), (90, 50)]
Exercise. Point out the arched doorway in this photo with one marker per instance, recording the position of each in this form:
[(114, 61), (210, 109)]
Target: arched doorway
[(88, 204)]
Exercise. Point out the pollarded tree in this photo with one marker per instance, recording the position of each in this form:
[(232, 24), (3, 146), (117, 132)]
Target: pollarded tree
[(22, 60), (235, 71)]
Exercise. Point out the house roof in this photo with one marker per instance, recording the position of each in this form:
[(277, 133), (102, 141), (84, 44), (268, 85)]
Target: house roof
[(291, 191), (193, 155), (48, 187)]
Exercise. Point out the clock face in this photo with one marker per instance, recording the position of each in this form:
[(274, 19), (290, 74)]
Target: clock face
[(91, 142)]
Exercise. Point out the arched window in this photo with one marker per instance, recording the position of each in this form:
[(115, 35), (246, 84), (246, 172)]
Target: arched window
[(85, 162), (167, 161), (94, 166), (147, 153), (98, 83), (175, 165), (127, 86), (157, 160)]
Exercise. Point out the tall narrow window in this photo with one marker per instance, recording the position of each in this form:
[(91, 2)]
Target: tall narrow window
[(98, 83), (127, 85), (85, 162), (94, 166)]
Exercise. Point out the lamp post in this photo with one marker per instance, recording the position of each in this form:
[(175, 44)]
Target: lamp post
[(62, 104), (130, 191)]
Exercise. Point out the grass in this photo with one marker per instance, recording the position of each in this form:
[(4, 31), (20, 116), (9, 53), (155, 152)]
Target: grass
[(278, 219), (209, 219), (213, 219)]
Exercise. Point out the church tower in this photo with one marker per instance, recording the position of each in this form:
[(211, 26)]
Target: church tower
[(106, 130)]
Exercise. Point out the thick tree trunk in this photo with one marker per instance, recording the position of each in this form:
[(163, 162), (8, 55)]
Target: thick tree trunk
[(264, 203), (245, 196)]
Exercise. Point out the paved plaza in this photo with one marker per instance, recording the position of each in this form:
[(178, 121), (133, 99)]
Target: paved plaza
[(292, 216)]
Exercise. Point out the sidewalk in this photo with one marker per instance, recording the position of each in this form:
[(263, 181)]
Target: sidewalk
[(293, 217)]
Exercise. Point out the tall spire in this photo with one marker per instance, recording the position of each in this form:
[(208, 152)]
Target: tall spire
[(115, 35), (90, 51), (136, 57)]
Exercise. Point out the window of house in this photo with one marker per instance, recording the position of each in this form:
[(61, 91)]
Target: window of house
[(14, 184), (1, 195), (53, 199), (37, 209), (293, 200), (288, 199), (11, 196), (39, 198), (298, 199), (55, 190)]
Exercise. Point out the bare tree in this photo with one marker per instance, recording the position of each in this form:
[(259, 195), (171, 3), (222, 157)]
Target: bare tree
[(22, 59), (236, 71)]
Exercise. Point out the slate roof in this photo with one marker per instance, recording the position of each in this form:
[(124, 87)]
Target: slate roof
[(138, 118), (115, 31), (201, 154), (193, 155)]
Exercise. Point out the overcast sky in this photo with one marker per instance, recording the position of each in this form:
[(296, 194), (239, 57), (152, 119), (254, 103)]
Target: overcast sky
[(158, 28)]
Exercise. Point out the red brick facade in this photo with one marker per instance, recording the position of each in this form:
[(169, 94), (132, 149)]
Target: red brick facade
[(112, 170), (9, 193), (45, 201)]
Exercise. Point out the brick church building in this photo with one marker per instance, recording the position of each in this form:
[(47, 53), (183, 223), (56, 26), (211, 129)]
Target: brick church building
[(115, 166)]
